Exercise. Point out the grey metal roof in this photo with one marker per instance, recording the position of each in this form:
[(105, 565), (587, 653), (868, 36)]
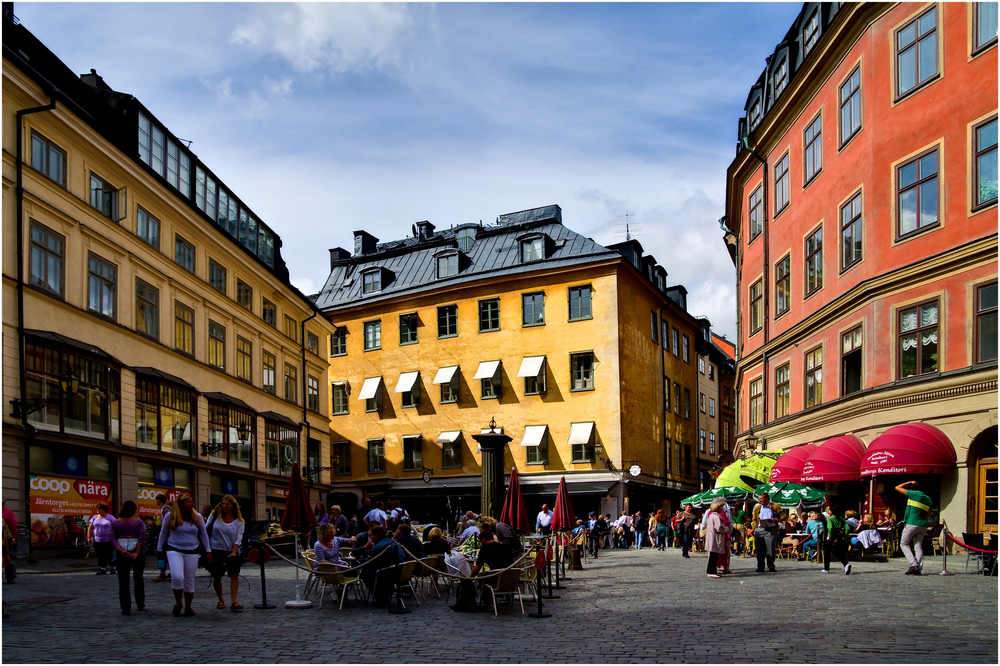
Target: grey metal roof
[(496, 252)]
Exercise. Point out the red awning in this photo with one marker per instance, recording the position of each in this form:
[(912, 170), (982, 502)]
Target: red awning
[(788, 466), (836, 459), (914, 448)]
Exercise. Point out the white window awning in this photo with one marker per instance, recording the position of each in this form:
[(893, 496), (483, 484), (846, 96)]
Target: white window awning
[(406, 381), (533, 435), (370, 388), (487, 370), (531, 366), (580, 433), (449, 437), (445, 375)]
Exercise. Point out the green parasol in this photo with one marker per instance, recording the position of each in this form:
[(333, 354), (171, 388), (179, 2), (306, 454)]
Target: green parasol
[(749, 472), (731, 494), (787, 494), (694, 500)]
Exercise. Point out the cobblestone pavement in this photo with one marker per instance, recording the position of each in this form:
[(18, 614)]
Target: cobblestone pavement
[(626, 606)]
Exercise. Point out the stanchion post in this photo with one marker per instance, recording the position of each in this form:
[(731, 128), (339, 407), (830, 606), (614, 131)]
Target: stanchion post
[(556, 553), (548, 570), (263, 605), (944, 552), (400, 609)]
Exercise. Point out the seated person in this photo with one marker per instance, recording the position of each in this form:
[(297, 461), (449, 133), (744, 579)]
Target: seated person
[(886, 519), (361, 548), (470, 530), (867, 522), (327, 548), (381, 572), (404, 537), (852, 520), (580, 527), (436, 544), (814, 529), (790, 526), (493, 555)]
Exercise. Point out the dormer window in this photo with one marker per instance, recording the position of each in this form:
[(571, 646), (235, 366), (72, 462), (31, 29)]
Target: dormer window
[(447, 265), (466, 238), (810, 34), (781, 76), (755, 114), (371, 281), (532, 249)]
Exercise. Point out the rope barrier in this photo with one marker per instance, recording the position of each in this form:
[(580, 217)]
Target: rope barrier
[(973, 548)]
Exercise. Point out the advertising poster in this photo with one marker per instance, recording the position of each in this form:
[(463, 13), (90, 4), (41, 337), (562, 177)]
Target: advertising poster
[(61, 507), (147, 499)]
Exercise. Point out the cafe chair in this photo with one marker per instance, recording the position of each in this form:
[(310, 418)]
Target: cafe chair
[(506, 584), (309, 557), (976, 541), (427, 574), (529, 575), (406, 570), (329, 574)]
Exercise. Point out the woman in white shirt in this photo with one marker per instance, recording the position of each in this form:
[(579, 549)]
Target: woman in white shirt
[(226, 527), (183, 538)]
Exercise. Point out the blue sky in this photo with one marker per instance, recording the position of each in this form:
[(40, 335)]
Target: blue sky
[(326, 118)]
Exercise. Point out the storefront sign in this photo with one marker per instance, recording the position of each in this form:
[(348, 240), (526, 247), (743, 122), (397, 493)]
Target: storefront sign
[(277, 493), (147, 499), (61, 507)]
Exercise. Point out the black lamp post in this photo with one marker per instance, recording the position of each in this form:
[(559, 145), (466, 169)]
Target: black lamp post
[(492, 486), (750, 443), (242, 432)]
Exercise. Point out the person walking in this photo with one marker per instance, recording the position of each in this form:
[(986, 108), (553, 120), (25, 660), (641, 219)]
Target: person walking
[(99, 533), (10, 520), (766, 517), (836, 540), (661, 529), (543, 522), (916, 520), (687, 524), (183, 538), (226, 526), (128, 537), (163, 506), (717, 528)]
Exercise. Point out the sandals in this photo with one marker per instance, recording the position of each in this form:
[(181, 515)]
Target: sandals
[(221, 605), (236, 606)]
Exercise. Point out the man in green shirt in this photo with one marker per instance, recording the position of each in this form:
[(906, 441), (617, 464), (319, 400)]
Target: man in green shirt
[(918, 504)]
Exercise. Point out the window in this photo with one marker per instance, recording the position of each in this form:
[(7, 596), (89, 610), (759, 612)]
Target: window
[(491, 387), (338, 342), (183, 329), (654, 327), (312, 342), (711, 443), (216, 345), (711, 406), (466, 238), (782, 391), (686, 349), (447, 265), (269, 313), (756, 306), (411, 398), (666, 394), (532, 250), (451, 453), (916, 52), (224, 422), (373, 335), (371, 281), (702, 403), (105, 198), (532, 309), (701, 440), (376, 456), (985, 147), (538, 455), (781, 187), (756, 402), (580, 301), (164, 417), (986, 323), (810, 34), (165, 156), (244, 359), (851, 361), (677, 399), (725, 435), (985, 25), (340, 398), (147, 227), (102, 286), (217, 276), (783, 285), (756, 111), (918, 340), (291, 328), (781, 77), (183, 253), (291, 383), (489, 315), (756, 206), (851, 232), (147, 309), (814, 377), (536, 384), (48, 158), (850, 106), (46, 260), (312, 394), (711, 372), (581, 371), (374, 403), (687, 404), (408, 329), (676, 341), (281, 443), (813, 157), (664, 334), (244, 294), (701, 365), (917, 187), (447, 316), (94, 410), (269, 368), (413, 459), (814, 261), (341, 462)]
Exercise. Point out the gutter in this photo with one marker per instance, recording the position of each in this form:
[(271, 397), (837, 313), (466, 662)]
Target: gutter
[(765, 281)]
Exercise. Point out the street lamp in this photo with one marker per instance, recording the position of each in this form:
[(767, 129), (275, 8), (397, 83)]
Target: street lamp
[(750, 444), (242, 433), (69, 385), (313, 471)]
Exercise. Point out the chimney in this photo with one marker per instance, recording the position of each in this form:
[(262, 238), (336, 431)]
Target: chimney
[(94, 80), (424, 230), (338, 254), (364, 243)]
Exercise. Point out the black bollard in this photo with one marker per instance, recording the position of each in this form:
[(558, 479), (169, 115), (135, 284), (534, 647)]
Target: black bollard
[(548, 576), (538, 594), (263, 605), (556, 551)]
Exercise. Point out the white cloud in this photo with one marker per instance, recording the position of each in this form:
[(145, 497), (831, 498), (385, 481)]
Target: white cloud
[(253, 104), (338, 37), (304, 284)]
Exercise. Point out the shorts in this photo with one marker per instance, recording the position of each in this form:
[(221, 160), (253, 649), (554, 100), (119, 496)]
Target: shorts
[(224, 565)]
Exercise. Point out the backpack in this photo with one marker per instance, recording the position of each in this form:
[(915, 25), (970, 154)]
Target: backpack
[(465, 597)]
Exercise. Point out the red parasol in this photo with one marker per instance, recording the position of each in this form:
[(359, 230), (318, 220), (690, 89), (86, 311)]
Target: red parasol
[(298, 514), (514, 513), (563, 516)]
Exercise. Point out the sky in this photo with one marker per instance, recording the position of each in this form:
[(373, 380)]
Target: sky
[(327, 118)]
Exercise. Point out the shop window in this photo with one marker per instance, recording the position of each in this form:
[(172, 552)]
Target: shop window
[(281, 443), (224, 421), (918, 340), (986, 323), (47, 259), (164, 417)]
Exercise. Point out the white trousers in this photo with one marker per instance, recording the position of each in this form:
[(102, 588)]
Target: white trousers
[(183, 567)]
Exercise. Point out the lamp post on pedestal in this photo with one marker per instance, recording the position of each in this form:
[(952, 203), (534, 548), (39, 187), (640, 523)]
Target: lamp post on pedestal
[(492, 489)]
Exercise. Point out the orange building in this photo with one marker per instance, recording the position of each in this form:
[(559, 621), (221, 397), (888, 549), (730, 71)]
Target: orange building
[(862, 205)]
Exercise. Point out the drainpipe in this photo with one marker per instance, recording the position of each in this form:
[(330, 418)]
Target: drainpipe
[(22, 379), (765, 283), (666, 407), (305, 379)]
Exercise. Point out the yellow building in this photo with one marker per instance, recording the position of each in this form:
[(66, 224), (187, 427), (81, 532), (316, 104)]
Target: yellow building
[(569, 346), (147, 315)]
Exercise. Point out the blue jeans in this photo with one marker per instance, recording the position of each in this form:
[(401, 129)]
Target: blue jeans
[(661, 538), (638, 539), (685, 543)]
